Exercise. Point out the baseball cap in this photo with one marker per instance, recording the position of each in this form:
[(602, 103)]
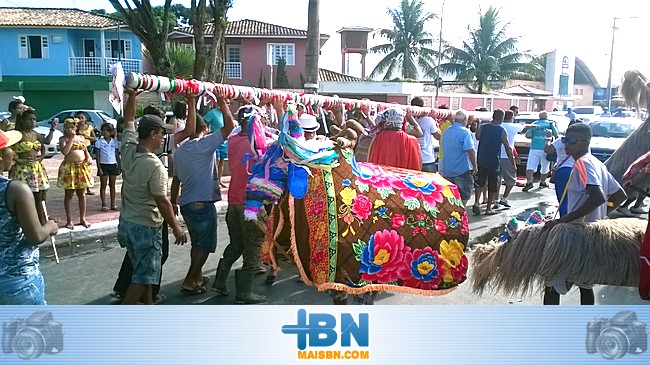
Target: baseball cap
[(150, 121), (9, 138)]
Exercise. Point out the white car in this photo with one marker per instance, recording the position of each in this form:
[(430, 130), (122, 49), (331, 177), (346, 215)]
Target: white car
[(588, 113), (52, 148), (97, 118), (609, 133)]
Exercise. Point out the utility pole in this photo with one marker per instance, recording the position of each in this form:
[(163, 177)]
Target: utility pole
[(313, 48), (438, 80)]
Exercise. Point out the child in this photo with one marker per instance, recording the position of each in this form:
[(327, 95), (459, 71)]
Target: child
[(88, 132), (75, 174), (107, 163)]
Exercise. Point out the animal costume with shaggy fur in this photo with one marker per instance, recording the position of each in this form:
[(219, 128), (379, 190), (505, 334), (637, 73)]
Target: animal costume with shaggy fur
[(604, 252)]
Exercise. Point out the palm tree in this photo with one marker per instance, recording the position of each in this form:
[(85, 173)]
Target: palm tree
[(408, 44), (489, 55)]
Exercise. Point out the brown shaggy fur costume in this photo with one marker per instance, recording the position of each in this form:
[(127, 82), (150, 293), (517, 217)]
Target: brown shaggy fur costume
[(605, 252)]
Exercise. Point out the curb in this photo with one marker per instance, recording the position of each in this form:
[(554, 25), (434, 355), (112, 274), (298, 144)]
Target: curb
[(104, 229)]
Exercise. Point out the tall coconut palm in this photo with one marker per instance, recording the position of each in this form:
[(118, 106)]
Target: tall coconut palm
[(407, 49), (488, 55)]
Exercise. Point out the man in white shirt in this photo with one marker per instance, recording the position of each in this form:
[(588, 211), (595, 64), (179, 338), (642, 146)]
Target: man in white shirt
[(430, 131), (592, 194), (509, 172)]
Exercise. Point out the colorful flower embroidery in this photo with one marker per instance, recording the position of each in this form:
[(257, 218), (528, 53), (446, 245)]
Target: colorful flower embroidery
[(464, 228), (347, 195), (441, 226), (379, 203), (453, 254), (373, 175), (318, 208), (397, 220), (361, 207), (426, 268), (382, 259), (420, 224), (416, 187)]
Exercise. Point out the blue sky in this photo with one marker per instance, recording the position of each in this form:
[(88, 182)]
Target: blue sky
[(579, 26)]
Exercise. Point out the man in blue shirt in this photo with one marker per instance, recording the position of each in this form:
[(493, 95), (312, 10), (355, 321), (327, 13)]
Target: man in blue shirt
[(214, 119), (570, 114), (536, 156), (459, 159)]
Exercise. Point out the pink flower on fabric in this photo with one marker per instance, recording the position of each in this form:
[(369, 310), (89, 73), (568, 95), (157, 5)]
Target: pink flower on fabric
[(441, 226), (361, 207), (420, 187), (373, 175), (318, 208), (397, 220), (426, 269), (464, 228), (382, 259)]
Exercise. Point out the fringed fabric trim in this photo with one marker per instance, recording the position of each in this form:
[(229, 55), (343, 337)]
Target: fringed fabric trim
[(383, 287)]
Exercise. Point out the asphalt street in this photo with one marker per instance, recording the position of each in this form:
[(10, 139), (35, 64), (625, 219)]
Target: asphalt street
[(87, 271)]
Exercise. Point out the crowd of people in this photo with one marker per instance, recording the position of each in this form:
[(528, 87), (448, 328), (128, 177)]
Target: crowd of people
[(477, 157)]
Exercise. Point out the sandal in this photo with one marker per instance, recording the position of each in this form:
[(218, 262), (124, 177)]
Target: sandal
[(104, 208), (196, 291), (114, 207)]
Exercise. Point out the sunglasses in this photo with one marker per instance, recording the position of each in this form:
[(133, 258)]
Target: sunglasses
[(572, 140)]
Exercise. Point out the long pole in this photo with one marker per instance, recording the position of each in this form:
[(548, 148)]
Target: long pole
[(313, 47), (439, 53), (611, 63)]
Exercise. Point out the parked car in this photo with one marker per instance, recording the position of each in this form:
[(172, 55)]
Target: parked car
[(52, 148), (4, 115), (588, 113), (609, 133), (522, 143), (97, 118)]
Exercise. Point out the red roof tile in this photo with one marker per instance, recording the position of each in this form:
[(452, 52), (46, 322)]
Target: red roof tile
[(54, 18), (252, 28)]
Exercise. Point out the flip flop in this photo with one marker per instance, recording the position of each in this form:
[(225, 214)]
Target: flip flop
[(104, 209), (196, 291)]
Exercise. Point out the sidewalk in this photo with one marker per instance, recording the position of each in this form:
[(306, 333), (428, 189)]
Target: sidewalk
[(102, 223)]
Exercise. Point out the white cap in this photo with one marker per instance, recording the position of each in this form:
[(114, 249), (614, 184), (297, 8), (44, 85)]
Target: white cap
[(308, 122)]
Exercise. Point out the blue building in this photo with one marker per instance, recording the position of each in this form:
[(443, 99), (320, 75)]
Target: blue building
[(60, 58)]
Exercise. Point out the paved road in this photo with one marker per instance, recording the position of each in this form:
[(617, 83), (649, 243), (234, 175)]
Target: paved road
[(87, 272)]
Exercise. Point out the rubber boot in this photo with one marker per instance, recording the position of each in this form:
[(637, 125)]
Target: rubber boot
[(220, 279), (244, 282)]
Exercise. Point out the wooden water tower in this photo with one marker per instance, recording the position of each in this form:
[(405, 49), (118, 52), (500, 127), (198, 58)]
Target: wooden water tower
[(354, 40)]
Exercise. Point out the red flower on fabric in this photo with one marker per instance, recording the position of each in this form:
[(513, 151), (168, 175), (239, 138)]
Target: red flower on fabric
[(421, 217), (318, 208), (420, 187), (361, 207), (397, 220), (441, 226), (454, 190), (317, 256), (464, 228), (426, 269), (348, 219), (383, 258)]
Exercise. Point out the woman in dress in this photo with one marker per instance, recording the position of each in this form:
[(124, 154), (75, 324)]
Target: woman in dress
[(88, 132), (29, 152)]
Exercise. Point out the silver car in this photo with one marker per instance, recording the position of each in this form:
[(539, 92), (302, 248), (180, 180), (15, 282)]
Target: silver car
[(97, 118)]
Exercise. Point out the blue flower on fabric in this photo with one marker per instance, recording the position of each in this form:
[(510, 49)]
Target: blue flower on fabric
[(453, 222), (368, 264), (346, 182), (382, 211), (419, 184), (424, 267)]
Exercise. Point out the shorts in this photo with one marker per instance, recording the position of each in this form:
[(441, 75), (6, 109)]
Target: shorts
[(201, 221), (489, 175), (429, 167), (464, 184), (23, 290), (507, 172), (222, 151), (144, 246), (538, 158), (109, 169)]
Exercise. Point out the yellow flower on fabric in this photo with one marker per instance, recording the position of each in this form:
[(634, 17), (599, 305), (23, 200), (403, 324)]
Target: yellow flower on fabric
[(425, 267), (447, 193), (381, 257), (452, 252), (419, 182), (375, 219), (456, 215), (347, 195), (379, 203)]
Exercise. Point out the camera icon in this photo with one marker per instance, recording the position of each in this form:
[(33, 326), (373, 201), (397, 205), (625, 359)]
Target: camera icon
[(615, 337), (31, 337)]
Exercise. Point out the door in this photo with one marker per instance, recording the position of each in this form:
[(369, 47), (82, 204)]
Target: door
[(89, 47)]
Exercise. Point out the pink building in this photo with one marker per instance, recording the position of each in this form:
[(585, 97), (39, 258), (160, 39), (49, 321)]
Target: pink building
[(251, 46)]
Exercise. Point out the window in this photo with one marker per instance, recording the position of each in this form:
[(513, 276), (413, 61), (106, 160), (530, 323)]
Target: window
[(112, 48), (275, 51), (33, 46), (232, 54)]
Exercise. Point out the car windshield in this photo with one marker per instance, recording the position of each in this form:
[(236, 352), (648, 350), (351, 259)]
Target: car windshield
[(104, 116), (612, 129)]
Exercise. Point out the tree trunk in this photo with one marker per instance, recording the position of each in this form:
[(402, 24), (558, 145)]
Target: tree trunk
[(197, 12), (216, 58), (140, 18), (313, 48)]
